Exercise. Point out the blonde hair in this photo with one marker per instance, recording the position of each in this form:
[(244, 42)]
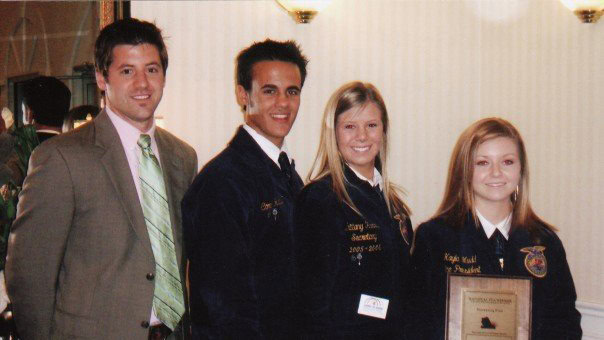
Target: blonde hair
[(458, 200), (329, 161)]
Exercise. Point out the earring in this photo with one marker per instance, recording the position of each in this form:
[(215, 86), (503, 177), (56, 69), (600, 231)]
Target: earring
[(515, 197)]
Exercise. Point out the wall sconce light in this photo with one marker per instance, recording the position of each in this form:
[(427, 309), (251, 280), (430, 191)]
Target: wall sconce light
[(587, 10), (303, 11)]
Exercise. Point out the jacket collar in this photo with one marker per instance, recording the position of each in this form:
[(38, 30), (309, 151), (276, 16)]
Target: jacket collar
[(116, 165), (353, 179), (372, 204), (270, 149), (253, 155), (172, 160)]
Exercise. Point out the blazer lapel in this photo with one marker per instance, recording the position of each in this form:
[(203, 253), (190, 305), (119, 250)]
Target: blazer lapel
[(116, 164), (175, 182), (251, 152)]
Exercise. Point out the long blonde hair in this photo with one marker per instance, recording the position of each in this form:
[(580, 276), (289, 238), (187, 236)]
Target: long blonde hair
[(329, 161), (458, 200)]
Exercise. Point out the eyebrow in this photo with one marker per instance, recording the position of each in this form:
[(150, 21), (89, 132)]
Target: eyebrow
[(125, 65), (154, 63), (275, 87), (507, 154)]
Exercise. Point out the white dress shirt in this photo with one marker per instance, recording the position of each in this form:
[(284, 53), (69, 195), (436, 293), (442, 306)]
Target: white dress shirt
[(489, 228), (377, 177), (270, 149)]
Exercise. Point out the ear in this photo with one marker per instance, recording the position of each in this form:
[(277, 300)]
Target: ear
[(242, 96), (100, 80)]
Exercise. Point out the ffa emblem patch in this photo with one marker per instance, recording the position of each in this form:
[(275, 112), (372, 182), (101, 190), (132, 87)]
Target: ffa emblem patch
[(535, 261), (403, 228)]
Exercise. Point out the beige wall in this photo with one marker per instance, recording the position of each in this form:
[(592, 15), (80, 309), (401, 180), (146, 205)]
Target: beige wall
[(440, 65)]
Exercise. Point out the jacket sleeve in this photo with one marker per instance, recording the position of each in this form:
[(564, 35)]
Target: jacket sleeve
[(560, 318), (425, 307), (37, 242), (316, 249), (224, 303)]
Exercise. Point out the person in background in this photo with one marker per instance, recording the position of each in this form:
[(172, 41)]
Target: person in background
[(7, 142), (352, 229), (486, 217), (96, 249), (9, 157), (4, 127), (80, 115), (46, 103), (7, 120), (237, 214)]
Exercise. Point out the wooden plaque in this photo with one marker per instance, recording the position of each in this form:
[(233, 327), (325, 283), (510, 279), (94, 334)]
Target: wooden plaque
[(485, 307)]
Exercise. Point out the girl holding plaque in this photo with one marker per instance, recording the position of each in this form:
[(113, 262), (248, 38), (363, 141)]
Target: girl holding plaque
[(352, 230), (485, 225)]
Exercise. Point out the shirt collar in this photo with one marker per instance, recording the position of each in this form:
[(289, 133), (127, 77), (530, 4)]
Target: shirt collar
[(270, 149), (377, 177), (129, 135), (489, 228)]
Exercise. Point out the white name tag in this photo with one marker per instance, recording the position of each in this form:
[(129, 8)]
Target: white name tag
[(373, 306)]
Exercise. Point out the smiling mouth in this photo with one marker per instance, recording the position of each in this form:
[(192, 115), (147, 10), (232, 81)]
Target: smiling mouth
[(142, 97), (280, 116), (360, 148), (495, 185)]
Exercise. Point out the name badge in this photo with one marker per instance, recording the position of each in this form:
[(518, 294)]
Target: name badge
[(373, 306)]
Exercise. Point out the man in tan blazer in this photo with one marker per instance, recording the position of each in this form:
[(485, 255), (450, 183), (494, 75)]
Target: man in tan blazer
[(81, 262)]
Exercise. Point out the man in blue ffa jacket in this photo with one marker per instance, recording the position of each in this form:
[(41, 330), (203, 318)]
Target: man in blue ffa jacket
[(238, 211)]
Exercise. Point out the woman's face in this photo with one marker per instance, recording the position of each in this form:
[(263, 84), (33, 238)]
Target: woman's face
[(496, 172), (359, 134)]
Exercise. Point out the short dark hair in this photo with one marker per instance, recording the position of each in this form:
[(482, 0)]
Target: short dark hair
[(49, 100), (287, 51), (128, 31)]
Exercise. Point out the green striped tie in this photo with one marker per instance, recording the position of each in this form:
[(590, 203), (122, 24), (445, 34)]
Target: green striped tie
[(168, 301)]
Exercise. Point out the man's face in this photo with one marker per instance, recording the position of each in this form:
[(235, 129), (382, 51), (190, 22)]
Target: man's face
[(273, 101), (134, 84)]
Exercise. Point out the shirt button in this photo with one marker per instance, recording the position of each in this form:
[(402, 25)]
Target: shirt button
[(150, 276), (145, 324)]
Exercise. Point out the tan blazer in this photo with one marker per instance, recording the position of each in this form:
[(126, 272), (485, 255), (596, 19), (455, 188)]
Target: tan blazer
[(79, 254)]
